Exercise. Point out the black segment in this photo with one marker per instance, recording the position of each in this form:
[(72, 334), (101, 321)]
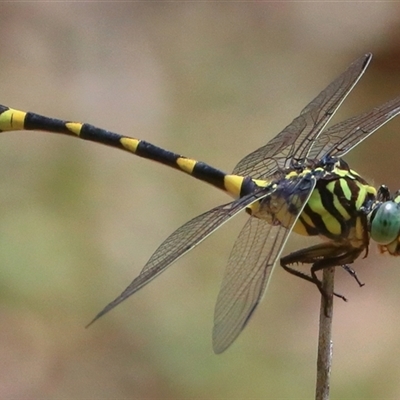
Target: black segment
[(94, 134), (209, 174), (41, 123), (155, 153)]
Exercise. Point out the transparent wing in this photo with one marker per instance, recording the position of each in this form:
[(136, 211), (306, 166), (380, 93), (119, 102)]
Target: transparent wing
[(296, 139), (342, 137), (181, 241), (250, 264)]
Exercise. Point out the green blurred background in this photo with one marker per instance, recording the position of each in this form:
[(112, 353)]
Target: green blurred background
[(212, 81)]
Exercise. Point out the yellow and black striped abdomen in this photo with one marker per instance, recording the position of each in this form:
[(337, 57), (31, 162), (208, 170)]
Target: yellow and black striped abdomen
[(334, 206), (236, 186)]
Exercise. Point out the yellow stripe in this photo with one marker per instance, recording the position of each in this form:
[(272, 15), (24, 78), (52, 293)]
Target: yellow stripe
[(359, 229), (130, 144), (330, 222), (345, 189), (343, 173), (336, 203), (233, 184), (291, 174), (254, 208), (12, 120), (261, 183), (300, 228), (186, 164), (354, 173), (364, 190), (307, 219), (74, 127)]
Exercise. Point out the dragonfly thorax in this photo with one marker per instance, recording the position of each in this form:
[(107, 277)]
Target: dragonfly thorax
[(335, 208)]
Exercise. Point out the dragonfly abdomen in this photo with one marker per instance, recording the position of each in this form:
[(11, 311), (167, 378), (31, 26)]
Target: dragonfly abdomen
[(237, 186)]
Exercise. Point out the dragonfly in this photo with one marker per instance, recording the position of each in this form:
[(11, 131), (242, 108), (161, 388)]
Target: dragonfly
[(297, 182)]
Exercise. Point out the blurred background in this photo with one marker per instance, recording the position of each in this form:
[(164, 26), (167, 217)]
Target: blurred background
[(78, 221)]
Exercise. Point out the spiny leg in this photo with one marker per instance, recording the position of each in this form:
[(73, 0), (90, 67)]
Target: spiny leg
[(312, 279), (346, 255), (353, 273), (321, 256)]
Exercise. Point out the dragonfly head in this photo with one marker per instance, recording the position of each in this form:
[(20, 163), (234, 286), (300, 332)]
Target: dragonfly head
[(385, 225)]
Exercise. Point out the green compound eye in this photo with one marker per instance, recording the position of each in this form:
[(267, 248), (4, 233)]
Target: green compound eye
[(385, 226)]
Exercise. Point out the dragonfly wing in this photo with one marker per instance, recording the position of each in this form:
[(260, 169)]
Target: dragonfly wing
[(344, 136), (295, 141), (250, 265), (181, 241)]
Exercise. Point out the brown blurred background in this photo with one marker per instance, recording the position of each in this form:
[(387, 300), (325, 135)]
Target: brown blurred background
[(78, 220)]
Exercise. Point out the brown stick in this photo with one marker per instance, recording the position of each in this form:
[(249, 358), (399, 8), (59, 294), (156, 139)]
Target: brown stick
[(324, 361)]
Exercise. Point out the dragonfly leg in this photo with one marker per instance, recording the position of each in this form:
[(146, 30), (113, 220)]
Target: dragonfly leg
[(313, 279), (324, 255), (353, 273)]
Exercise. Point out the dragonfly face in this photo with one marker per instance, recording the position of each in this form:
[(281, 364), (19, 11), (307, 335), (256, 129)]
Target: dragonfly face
[(296, 182), (384, 222)]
